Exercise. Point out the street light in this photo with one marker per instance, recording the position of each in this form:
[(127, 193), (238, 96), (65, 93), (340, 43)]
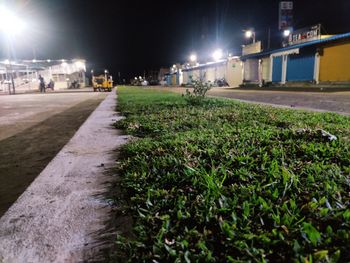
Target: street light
[(287, 32), (193, 57), (10, 25), (250, 34), (217, 55)]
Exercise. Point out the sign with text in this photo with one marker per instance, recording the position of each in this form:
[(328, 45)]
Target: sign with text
[(305, 35), (285, 15)]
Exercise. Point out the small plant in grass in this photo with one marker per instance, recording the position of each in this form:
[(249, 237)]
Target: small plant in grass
[(200, 89)]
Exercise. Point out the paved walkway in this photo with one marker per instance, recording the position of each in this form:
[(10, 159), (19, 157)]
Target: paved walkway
[(338, 102), (335, 102), (21, 111), (55, 219)]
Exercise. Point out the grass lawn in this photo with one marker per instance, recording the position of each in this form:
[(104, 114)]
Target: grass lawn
[(227, 181)]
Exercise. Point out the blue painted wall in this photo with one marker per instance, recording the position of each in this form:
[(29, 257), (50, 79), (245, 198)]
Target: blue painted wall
[(300, 67), (168, 79), (277, 69)]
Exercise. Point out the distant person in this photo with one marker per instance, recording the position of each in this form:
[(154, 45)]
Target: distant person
[(51, 85), (42, 84)]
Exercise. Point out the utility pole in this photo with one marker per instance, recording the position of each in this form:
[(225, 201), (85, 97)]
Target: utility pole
[(10, 68), (269, 38), (12, 80)]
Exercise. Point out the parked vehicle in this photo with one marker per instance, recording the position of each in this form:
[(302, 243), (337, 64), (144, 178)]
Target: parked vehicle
[(102, 82), (74, 85), (220, 83), (51, 85)]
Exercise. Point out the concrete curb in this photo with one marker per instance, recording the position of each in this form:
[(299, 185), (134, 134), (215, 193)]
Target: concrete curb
[(55, 219)]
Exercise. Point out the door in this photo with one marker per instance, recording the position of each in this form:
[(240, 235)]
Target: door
[(300, 67), (277, 69), (251, 70), (234, 73)]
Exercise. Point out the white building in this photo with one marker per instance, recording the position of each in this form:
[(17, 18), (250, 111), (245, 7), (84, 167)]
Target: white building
[(230, 69), (25, 74)]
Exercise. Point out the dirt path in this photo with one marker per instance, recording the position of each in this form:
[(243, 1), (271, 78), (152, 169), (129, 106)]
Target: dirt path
[(59, 216), (24, 155)]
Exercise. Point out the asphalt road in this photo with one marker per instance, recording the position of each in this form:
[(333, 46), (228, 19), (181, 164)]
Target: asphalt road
[(338, 102)]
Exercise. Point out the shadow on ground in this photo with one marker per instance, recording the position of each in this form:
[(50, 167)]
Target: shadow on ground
[(24, 155)]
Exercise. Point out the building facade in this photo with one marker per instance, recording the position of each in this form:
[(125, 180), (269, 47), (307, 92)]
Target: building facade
[(25, 73), (325, 60)]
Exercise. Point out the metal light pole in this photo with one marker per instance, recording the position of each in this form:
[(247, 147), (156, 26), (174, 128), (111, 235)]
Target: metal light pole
[(12, 80)]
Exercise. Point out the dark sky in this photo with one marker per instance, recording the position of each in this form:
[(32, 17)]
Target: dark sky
[(132, 36)]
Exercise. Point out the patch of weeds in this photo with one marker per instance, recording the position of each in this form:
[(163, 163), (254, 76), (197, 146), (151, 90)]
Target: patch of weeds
[(197, 95), (232, 182)]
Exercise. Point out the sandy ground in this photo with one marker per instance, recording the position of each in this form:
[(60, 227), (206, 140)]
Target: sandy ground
[(34, 129), (59, 215), (18, 112), (338, 102)]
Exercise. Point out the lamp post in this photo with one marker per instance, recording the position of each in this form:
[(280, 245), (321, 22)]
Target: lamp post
[(193, 58), (250, 34), (10, 25), (106, 72), (287, 32), (217, 55)]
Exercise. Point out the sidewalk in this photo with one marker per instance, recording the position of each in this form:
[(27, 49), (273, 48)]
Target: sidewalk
[(55, 219), (337, 102)]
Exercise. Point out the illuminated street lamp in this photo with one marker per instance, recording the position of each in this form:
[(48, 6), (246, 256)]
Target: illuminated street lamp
[(10, 25), (250, 34), (193, 58), (287, 32), (217, 55)]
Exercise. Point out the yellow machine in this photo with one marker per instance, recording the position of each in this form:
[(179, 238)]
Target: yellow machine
[(102, 82)]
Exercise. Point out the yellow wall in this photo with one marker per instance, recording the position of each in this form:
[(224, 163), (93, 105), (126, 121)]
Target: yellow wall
[(335, 63), (173, 79)]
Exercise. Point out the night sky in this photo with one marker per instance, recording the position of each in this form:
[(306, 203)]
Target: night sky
[(133, 36)]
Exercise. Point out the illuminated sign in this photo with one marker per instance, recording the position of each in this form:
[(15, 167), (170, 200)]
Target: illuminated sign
[(305, 35)]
